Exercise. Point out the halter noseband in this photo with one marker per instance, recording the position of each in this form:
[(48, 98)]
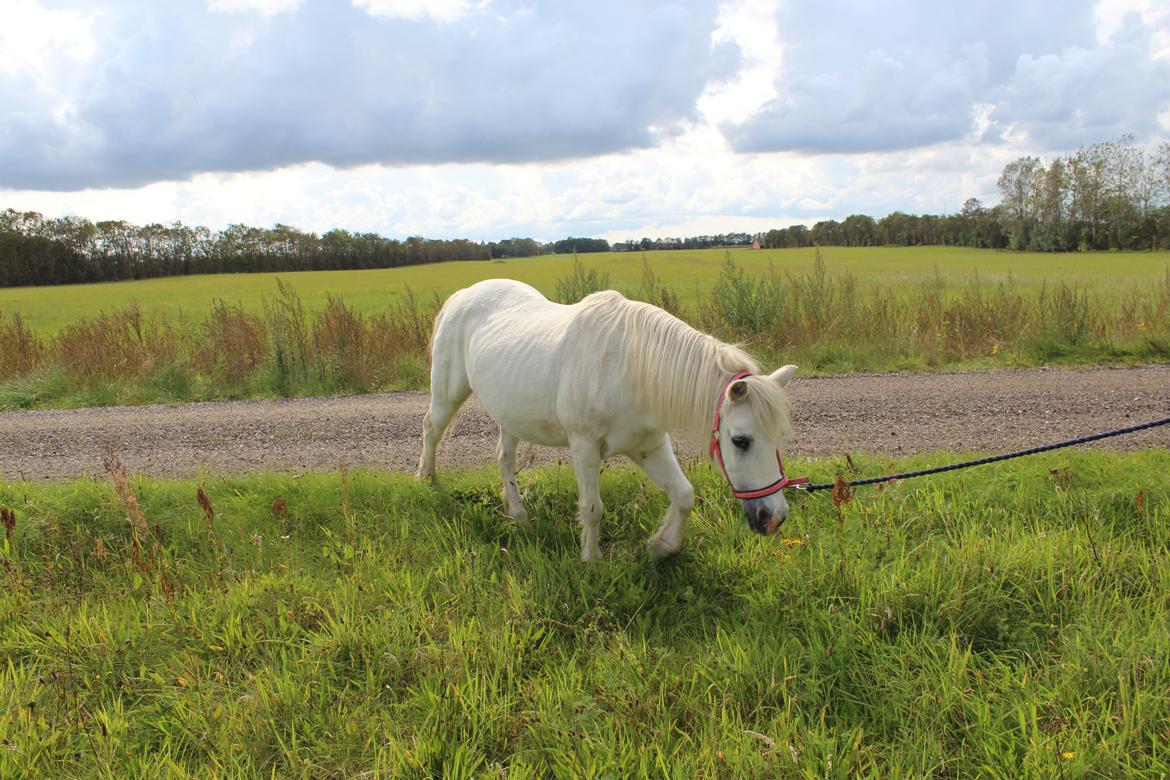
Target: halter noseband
[(716, 451)]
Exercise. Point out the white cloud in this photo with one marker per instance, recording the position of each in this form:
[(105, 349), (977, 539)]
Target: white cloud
[(37, 41), (438, 10), (751, 26), (262, 7), (1083, 95), (1110, 16)]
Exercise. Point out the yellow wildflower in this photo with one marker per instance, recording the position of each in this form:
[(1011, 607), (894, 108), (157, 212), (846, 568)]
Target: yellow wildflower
[(1068, 755)]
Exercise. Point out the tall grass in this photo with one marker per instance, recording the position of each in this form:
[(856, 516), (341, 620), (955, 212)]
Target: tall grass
[(830, 322), (233, 346), (121, 344), (20, 349), (123, 356), (822, 320), (1006, 623)]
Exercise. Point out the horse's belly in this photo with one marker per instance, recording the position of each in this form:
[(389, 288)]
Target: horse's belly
[(513, 371), (546, 432), (526, 408)]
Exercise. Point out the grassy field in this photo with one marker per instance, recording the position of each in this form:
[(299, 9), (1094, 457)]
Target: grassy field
[(1008, 622), (47, 309)]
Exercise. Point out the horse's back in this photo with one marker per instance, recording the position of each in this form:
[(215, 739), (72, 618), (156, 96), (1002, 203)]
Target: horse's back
[(506, 337), (500, 307)]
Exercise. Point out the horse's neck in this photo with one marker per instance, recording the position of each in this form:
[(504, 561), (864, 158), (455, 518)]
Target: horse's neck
[(688, 385)]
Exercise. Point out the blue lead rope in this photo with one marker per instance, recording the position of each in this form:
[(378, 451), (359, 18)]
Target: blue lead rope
[(812, 487)]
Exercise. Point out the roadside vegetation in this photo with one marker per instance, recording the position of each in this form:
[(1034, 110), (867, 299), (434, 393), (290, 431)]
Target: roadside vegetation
[(823, 320), (1010, 622)]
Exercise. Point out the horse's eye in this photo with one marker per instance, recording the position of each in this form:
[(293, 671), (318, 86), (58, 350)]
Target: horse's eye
[(742, 442)]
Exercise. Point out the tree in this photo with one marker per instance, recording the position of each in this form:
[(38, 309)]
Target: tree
[(858, 230), (1018, 187)]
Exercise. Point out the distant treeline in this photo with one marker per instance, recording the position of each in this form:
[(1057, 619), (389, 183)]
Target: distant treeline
[(690, 242), (35, 250), (1112, 195), (580, 245)]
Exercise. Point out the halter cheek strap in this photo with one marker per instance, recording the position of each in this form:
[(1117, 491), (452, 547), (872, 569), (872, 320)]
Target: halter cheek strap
[(716, 452)]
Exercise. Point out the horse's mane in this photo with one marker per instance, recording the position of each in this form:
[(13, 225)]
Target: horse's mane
[(678, 372)]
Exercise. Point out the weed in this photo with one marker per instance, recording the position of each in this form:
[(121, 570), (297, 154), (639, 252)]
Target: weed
[(654, 290), (146, 552), (139, 528), (20, 350), (208, 509), (741, 302), (288, 334), (339, 347), (234, 345), (122, 344), (580, 282)]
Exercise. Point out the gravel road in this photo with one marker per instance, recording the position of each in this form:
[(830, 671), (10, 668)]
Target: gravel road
[(877, 413)]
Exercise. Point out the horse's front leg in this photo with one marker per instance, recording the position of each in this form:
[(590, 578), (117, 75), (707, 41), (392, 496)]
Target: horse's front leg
[(587, 468), (506, 454), (662, 467)]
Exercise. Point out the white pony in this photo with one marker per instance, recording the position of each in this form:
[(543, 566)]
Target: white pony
[(602, 377)]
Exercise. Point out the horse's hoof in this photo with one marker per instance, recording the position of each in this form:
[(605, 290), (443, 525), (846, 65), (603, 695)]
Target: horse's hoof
[(660, 550), (516, 512)]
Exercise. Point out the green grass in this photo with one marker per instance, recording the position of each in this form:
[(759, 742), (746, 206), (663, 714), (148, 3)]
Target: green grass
[(47, 309), (1005, 622)]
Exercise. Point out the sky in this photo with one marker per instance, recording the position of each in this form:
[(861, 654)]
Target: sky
[(487, 119)]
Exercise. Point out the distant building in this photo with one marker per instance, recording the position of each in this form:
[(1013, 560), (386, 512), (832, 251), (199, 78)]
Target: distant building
[(756, 243)]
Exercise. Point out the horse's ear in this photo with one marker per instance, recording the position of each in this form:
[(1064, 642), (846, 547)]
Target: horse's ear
[(782, 376), (737, 390)]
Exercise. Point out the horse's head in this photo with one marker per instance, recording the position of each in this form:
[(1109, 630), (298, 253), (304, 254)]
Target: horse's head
[(751, 428)]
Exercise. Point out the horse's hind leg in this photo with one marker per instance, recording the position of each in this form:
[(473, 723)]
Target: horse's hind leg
[(449, 389), (506, 454), (662, 467)]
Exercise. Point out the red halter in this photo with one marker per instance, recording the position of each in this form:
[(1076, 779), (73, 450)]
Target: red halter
[(717, 452)]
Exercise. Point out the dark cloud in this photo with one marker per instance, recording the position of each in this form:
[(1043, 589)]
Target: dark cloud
[(175, 89), (888, 76)]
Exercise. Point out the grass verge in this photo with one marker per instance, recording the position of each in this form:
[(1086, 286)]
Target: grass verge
[(1001, 623)]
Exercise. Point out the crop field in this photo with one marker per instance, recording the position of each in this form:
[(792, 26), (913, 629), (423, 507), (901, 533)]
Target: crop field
[(1010, 622), (690, 273)]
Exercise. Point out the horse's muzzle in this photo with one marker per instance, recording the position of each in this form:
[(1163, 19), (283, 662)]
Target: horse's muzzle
[(762, 518)]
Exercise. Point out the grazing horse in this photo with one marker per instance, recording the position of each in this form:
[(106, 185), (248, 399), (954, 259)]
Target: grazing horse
[(608, 376)]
